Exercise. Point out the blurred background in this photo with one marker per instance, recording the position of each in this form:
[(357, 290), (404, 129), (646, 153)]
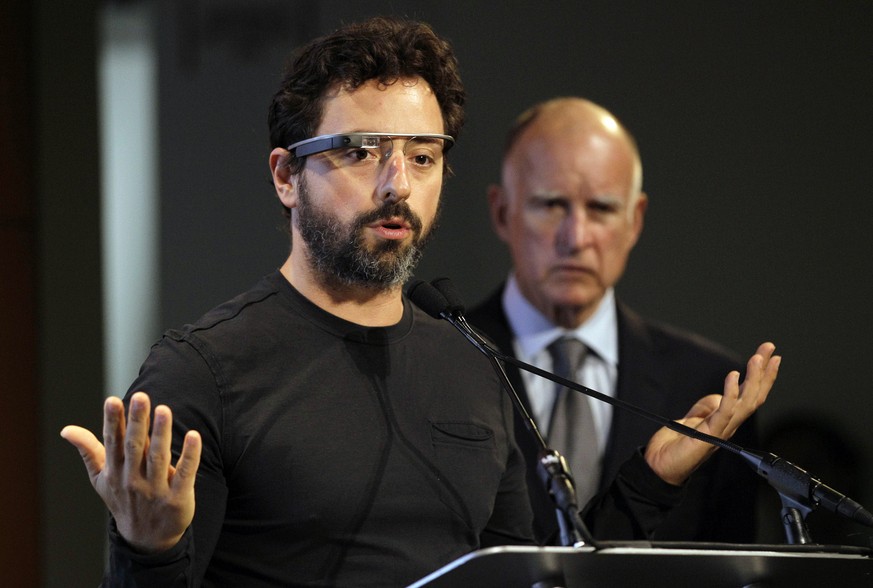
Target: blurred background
[(135, 196)]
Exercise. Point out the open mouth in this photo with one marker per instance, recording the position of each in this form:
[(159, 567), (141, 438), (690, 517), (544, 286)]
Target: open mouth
[(392, 228)]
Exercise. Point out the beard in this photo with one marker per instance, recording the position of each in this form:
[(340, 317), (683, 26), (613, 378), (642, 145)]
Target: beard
[(339, 252)]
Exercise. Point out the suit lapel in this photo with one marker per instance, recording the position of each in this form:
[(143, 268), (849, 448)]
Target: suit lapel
[(639, 383)]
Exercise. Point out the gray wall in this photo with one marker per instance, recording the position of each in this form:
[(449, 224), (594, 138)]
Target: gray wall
[(753, 120)]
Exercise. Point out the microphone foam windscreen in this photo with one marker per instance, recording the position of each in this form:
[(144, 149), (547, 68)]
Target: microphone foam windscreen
[(428, 298), (452, 296)]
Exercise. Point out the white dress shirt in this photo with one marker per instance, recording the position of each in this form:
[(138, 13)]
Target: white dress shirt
[(532, 334)]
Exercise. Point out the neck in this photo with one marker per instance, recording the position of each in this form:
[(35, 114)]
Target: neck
[(570, 317), (360, 305)]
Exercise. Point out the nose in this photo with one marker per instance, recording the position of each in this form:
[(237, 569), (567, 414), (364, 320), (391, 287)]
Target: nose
[(395, 184), (572, 232)]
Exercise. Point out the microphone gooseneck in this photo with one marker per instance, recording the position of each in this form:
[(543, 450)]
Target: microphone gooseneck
[(440, 300), (429, 299), (798, 489)]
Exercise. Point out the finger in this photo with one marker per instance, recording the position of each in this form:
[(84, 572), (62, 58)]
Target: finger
[(752, 383), (189, 462), (136, 438), (766, 350), (770, 374), (702, 408), (92, 451), (763, 368), (113, 434), (755, 392), (760, 376), (719, 421), (731, 391), (159, 449), (755, 368), (756, 363)]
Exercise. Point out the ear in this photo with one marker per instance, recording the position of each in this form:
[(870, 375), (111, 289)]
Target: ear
[(497, 208), (639, 213), (284, 181)]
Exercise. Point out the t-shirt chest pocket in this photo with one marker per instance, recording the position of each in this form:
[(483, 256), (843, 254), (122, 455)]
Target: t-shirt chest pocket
[(467, 458)]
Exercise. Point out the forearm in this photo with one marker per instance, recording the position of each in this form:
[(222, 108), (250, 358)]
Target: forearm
[(174, 374), (634, 505)]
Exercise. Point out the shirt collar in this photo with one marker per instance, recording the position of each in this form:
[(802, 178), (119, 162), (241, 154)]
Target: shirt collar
[(534, 332)]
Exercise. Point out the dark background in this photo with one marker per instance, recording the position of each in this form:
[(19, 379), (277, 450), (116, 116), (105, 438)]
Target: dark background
[(754, 123)]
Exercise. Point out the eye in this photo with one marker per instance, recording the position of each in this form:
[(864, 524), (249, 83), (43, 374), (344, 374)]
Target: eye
[(603, 207), (359, 154), (549, 203), (424, 154), (423, 160)]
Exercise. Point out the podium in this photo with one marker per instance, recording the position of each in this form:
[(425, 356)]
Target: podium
[(658, 565)]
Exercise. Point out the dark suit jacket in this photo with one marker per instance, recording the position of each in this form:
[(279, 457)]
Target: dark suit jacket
[(665, 371)]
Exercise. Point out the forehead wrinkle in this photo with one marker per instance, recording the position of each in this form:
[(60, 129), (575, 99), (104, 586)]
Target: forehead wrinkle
[(538, 193)]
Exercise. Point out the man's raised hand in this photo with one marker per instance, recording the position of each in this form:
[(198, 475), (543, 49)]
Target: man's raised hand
[(151, 500)]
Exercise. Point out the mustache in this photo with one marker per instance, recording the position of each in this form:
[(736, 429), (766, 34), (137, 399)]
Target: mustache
[(392, 209)]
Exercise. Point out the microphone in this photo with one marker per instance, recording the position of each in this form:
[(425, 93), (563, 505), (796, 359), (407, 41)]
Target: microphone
[(794, 484), (454, 302), (797, 485), (438, 306), (440, 300)]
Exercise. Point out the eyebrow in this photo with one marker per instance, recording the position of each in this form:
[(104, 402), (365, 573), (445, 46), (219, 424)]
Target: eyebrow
[(610, 199), (548, 194), (601, 198)]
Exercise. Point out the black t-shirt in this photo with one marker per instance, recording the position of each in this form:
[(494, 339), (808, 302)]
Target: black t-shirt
[(333, 454)]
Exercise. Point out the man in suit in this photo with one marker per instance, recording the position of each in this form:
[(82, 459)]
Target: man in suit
[(570, 208)]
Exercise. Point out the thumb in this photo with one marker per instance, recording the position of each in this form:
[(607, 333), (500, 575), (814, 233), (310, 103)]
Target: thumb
[(90, 449)]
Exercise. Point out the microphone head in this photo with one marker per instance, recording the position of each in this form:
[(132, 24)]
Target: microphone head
[(453, 298), (428, 298)]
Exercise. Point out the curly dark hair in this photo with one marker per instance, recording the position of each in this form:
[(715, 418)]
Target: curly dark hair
[(381, 48)]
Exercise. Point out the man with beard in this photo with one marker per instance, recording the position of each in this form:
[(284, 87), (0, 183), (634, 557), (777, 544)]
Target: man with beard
[(329, 432)]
